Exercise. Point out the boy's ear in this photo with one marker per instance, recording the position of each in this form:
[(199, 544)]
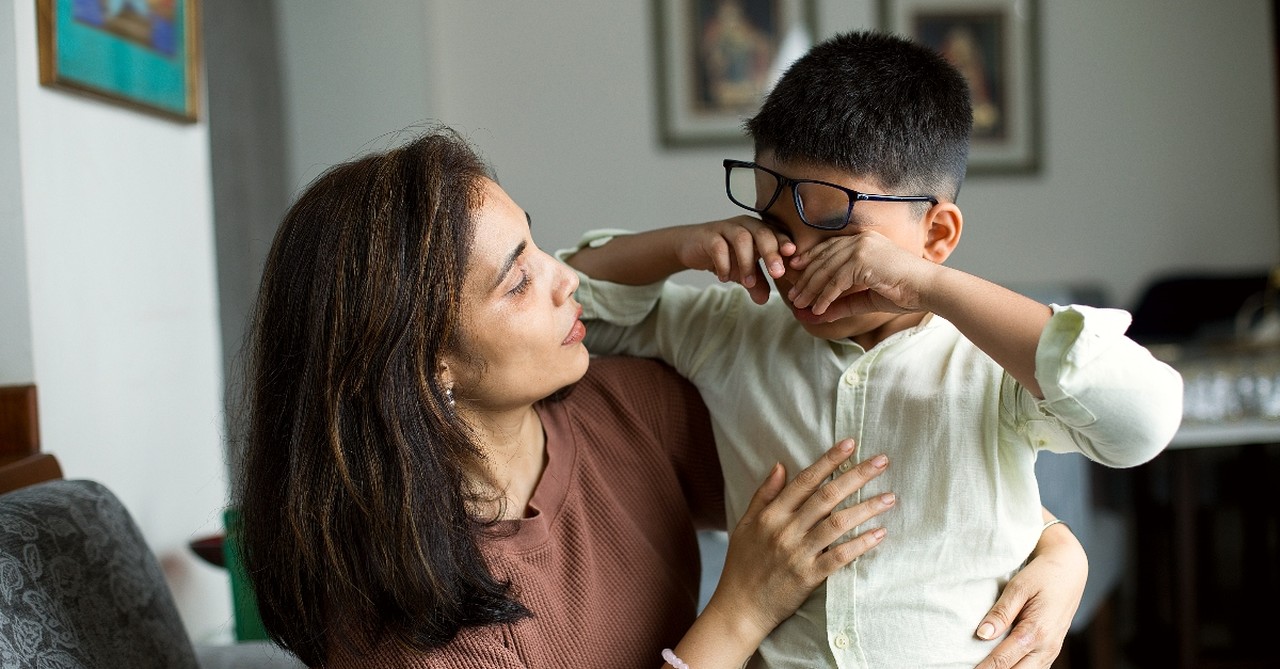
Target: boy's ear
[(944, 223)]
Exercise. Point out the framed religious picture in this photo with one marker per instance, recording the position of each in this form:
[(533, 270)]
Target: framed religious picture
[(140, 53), (994, 44), (717, 59)]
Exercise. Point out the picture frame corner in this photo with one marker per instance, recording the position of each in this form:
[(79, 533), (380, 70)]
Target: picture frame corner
[(1018, 97), (183, 101), (688, 116)]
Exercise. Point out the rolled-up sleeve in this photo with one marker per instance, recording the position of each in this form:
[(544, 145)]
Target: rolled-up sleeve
[(1121, 403)]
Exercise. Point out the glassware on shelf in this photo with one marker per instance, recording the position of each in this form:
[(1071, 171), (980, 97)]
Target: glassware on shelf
[(1225, 383)]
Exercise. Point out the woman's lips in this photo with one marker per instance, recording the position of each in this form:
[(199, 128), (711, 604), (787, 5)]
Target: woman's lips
[(577, 331)]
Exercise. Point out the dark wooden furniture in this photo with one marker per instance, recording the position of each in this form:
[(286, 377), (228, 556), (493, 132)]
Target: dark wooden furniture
[(21, 462), (1208, 551)]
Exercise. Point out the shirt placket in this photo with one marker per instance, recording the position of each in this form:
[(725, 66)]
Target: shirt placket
[(842, 592)]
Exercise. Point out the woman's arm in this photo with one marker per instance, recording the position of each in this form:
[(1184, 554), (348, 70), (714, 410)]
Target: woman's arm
[(1039, 601), (784, 546)]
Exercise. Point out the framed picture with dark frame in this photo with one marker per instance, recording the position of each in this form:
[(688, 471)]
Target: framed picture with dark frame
[(994, 43), (717, 59), (140, 53)]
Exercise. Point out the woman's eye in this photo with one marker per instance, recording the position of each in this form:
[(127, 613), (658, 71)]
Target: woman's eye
[(523, 284)]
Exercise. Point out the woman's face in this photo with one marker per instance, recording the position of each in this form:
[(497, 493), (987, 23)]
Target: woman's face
[(521, 334)]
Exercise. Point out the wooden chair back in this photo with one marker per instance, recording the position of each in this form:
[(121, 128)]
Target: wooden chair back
[(21, 462)]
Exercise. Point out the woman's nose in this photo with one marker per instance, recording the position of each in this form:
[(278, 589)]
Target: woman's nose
[(566, 282)]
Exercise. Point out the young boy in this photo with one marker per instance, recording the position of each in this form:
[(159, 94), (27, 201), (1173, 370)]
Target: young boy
[(961, 382)]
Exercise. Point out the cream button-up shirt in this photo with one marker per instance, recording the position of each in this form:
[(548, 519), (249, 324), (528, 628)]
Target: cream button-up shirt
[(960, 433)]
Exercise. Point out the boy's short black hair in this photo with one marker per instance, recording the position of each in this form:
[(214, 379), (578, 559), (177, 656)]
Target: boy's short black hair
[(876, 105)]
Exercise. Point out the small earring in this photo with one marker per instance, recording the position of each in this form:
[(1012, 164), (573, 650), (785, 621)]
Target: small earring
[(448, 394)]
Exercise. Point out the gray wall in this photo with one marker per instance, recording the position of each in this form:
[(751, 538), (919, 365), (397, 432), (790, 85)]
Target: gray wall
[(1159, 131), (1159, 134), (1158, 126), (106, 236), (15, 311), (354, 75), (247, 151)]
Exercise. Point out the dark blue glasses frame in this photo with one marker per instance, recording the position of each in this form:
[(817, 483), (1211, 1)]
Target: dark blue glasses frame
[(784, 181)]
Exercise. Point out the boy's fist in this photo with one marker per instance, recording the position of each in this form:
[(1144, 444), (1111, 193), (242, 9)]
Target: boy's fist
[(733, 248)]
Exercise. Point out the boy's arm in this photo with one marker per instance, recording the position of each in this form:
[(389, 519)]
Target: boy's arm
[(1120, 405), (676, 323), (731, 248), (863, 273), (1004, 324), (633, 259)]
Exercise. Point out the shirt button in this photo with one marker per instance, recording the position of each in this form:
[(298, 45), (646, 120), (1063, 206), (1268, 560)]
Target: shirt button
[(846, 465), (841, 641), (851, 379)]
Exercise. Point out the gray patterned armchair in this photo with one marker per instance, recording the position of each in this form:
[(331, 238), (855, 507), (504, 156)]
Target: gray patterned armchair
[(79, 587)]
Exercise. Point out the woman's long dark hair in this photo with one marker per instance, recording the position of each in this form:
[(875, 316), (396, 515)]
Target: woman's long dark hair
[(357, 515)]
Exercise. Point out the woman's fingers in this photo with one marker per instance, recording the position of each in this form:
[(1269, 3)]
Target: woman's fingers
[(809, 502), (767, 491), (827, 525), (811, 478), (842, 554), (782, 543), (841, 522), (1020, 650), (831, 494), (1036, 606), (1008, 605)]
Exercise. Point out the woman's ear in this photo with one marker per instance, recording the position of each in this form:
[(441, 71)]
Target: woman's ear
[(445, 378), (944, 223), (444, 375)]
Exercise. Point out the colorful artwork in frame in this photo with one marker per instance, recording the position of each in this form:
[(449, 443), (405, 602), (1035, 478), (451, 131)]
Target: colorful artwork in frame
[(994, 45), (140, 53), (716, 59)]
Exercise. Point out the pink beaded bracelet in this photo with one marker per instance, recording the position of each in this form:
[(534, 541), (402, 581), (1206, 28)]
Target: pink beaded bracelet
[(670, 656)]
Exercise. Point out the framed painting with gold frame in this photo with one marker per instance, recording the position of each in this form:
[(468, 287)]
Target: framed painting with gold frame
[(994, 43), (717, 59), (140, 53)]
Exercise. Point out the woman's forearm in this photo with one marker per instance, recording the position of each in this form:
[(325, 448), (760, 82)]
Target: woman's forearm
[(720, 639)]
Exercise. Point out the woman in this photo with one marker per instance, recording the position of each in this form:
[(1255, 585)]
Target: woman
[(419, 490)]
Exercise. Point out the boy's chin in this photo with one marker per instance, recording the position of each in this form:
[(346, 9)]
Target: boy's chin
[(848, 327), (866, 329), (819, 326), (844, 328)]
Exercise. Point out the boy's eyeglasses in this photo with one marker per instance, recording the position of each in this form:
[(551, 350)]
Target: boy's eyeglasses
[(748, 183)]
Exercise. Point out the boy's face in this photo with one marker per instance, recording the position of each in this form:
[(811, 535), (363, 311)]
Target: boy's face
[(900, 222)]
